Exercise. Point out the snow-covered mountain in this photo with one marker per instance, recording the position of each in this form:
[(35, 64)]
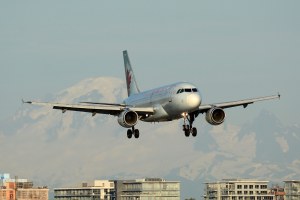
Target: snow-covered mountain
[(58, 149)]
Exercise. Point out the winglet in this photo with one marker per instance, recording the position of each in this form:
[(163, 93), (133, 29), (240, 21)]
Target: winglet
[(30, 102), (279, 95)]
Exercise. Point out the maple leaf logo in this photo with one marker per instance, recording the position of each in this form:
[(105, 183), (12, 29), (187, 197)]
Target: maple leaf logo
[(128, 79)]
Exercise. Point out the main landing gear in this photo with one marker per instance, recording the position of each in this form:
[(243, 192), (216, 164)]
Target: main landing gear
[(134, 132), (188, 128)]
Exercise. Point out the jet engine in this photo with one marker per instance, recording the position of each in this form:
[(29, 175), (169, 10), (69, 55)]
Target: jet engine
[(128, 118), (215, 116)]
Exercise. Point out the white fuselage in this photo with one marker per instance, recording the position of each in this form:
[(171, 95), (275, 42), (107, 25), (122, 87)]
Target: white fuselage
[(169, 102)]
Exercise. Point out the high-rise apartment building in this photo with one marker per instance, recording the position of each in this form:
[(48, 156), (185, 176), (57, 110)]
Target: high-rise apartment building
[(140, 189), (96, 190), (148, 189), (238, 189), (292, 190)]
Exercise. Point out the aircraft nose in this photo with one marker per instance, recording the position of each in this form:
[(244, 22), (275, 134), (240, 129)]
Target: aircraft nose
[(194, 100)]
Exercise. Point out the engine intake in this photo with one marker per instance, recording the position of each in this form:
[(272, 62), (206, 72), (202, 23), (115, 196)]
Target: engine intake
[(215, 116), (128, 118)]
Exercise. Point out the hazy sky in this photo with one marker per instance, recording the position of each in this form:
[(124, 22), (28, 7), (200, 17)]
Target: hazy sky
[(230, 49)]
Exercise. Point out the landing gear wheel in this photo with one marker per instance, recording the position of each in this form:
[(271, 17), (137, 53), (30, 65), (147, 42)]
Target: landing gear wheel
[(185, 127), (194, 131), (129, 133), (133, 132), (187, 132), (188, 128), (136, 133)]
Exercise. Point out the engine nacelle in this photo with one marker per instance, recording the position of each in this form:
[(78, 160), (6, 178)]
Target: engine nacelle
[(215, 116), (128, 118)]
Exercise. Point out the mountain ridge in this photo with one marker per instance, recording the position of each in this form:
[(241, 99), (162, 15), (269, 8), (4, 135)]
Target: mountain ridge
[(61, 149)]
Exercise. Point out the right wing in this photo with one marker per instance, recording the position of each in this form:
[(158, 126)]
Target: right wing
[(244, 103), (95, 108)]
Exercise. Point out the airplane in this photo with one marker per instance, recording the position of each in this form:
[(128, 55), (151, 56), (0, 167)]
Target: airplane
[(166, 103)]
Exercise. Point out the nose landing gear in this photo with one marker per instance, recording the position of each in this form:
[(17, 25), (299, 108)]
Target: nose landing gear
[(188, 128)]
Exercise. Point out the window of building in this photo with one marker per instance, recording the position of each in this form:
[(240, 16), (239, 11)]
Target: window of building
[(263, 186), (239, 187), (245, 186)]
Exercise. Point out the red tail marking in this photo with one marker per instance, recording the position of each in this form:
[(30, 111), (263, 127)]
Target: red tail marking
[(128, 79)]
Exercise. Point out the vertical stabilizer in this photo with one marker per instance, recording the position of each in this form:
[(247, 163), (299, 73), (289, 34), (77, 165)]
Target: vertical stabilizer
[(132, 87)]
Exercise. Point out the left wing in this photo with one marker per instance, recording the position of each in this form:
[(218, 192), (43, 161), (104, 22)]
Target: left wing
[(95, 108), (244, 103)]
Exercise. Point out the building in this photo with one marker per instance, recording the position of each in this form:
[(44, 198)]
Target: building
[(148, 188), (238, 189), (7, 192), (278, 191), (96, 190), (292, 190), (21, 189), (119, 188), (140, 189), (32, 193)]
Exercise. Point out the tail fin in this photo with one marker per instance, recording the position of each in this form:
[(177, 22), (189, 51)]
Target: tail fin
[(132, 87)]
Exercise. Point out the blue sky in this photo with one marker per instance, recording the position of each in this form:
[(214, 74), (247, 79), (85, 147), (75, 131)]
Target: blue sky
[(230, 49)]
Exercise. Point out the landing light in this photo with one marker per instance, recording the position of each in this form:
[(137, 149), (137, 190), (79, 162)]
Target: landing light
[(184, 114)]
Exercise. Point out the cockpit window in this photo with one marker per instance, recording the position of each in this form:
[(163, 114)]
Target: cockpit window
[(179, 91), (187, 90)]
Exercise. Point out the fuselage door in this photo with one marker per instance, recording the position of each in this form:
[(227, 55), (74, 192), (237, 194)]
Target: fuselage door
[(171, 94)]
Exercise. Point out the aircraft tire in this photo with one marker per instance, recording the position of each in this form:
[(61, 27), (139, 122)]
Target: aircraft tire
[(136, 133), (129, 133), (187, 132), (194, 131)]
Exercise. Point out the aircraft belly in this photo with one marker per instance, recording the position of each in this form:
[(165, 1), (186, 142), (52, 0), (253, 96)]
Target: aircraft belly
[(160, 114), (165, 112)]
